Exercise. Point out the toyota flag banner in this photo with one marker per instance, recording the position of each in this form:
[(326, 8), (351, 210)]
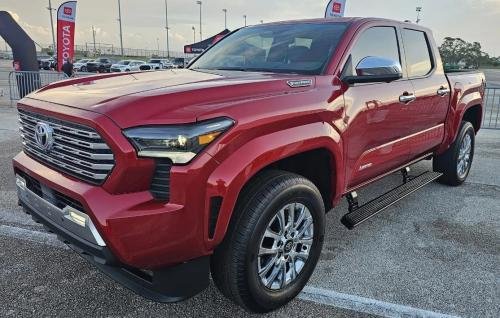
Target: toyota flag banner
[(335, 9), (66, 15)]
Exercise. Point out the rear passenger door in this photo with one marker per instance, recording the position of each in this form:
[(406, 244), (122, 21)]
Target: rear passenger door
[(429, 110)]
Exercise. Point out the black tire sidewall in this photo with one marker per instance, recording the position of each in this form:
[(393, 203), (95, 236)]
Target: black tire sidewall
[(299, 193)]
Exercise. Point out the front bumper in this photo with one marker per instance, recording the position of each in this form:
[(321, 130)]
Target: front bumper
[(76, 229)]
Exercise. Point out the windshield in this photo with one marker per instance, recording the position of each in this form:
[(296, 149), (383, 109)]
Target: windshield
[(155, 61), (288, 48), (82, 61), (123, 62)]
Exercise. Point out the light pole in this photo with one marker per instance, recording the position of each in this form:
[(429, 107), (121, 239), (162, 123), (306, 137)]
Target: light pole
[(167, 28), (201, 36), (158, 45), (225, 18), (93, 37), (52, 26), (419, 9), (245, 17), (194, 34), (120, 22)]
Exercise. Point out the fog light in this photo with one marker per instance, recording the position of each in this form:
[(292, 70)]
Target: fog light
[(76, 216), (20, 182)]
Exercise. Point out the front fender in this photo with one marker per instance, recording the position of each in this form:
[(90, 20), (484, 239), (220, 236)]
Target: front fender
[(228, 179)]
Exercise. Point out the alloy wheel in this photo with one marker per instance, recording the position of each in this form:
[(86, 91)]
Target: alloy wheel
[(464, 156), (285, 246)]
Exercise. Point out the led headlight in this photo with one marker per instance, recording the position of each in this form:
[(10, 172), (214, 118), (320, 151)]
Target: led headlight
[(179, 143)]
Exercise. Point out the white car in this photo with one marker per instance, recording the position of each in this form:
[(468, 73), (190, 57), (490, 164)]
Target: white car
[(157, 64), (81, 65), (127, 66)]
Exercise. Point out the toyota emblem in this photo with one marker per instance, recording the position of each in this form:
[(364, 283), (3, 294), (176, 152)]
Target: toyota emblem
[(43, 136)]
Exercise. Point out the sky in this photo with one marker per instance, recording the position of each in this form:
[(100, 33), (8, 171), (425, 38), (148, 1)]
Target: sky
[(144, 20)]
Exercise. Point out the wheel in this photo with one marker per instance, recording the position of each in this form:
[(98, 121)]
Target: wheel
[(456, 162), (127, 70), (273, 243), (84, 69)]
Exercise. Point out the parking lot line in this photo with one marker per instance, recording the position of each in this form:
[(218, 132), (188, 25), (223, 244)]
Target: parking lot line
[(364, 305), (310, 293)]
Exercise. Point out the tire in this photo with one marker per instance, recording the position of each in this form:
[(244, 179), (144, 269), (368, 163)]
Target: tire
[(84, 69), (456, 162), (236, 262)]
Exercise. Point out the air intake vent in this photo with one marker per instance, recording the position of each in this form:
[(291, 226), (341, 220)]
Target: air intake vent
[(215, 204), (160, 184)]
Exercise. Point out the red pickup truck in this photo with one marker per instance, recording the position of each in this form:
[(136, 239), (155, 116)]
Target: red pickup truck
[(230, 165)]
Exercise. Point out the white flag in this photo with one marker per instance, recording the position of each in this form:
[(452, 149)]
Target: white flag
[(335, 8)]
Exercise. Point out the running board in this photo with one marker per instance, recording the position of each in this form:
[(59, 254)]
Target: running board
[(358, 215)]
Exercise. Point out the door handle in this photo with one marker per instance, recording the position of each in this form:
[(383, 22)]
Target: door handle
[(443, 91), (407, 98)]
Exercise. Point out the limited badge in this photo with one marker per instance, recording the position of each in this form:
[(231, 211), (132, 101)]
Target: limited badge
[(299, 83)]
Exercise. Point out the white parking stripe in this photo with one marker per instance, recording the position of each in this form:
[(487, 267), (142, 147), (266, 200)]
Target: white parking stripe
[(310, 293), (364, 305)]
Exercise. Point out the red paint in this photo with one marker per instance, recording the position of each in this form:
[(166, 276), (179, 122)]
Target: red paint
[(66, 15), (367, 132)]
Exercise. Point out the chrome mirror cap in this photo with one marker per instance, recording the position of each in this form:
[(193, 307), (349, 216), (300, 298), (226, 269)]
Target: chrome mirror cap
[(376, 66)]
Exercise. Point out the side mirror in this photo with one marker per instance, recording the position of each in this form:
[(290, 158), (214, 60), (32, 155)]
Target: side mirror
[(374, 69)]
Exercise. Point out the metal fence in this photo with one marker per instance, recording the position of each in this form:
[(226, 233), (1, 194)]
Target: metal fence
[(491, 114), (102, 49), (22, 83)]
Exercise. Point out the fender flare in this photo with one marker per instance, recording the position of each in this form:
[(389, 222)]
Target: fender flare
[(463, 101), (229, 178)]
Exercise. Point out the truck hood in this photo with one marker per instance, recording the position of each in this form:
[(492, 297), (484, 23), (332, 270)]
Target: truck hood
[(165, 97)]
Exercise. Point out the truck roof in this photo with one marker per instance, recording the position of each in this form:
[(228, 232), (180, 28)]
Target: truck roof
[(349, 20)]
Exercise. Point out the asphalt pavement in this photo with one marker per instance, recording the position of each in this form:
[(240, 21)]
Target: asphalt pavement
[(436, 253)]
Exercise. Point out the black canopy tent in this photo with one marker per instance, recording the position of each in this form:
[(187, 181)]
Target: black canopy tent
[(199, 47)]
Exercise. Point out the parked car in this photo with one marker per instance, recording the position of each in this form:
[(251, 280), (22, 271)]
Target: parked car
[(81, 65), (180, 62), (230, 166), (127, 66), (100, 65), (47, 63), (157, 64), (6, 55)]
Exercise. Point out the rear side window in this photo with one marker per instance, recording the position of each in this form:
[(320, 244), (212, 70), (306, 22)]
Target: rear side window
[(376, 41), (418, 55)]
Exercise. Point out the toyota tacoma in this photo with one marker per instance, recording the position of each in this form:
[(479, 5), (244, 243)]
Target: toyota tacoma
[(229, 166)]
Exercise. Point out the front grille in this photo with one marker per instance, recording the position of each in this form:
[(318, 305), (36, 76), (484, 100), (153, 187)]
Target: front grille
[(160, 184), (50, 195), (77, 150)]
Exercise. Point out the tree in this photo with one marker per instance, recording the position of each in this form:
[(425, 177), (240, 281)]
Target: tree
[(455, 51)]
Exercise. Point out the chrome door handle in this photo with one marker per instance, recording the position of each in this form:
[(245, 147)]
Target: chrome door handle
[(443, 91), (407, 98)]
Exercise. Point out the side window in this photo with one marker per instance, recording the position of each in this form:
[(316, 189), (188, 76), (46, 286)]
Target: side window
[(376, 41), (418, 55)]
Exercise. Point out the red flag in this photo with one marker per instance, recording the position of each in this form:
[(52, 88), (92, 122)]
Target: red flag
[(66, 15)]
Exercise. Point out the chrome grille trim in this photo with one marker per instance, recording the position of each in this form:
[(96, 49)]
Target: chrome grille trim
[(77, 150)]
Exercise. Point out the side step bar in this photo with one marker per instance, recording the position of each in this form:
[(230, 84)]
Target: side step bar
[(357, 215)]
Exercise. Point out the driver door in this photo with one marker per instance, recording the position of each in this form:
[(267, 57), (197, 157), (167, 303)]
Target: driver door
[(378, 124)]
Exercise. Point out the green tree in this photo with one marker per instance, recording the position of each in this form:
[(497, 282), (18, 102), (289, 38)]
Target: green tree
[(456, 50)]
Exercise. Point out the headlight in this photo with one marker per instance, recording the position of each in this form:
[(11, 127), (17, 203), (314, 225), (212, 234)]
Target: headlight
[(179, 143)]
